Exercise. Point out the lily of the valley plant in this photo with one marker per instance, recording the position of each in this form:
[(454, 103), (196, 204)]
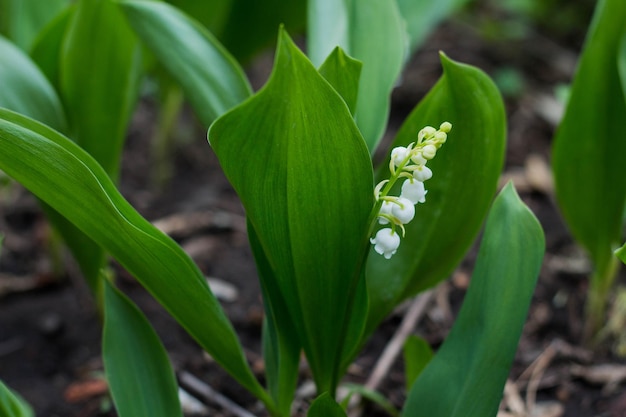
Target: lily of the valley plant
[(337, 244)]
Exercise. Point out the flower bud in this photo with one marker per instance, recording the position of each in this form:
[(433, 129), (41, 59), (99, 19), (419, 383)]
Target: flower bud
[(414, 191), (386, 242), (398, 155), (403, 210), (385, 209), (422, 173), (446, 127), (429, 151)]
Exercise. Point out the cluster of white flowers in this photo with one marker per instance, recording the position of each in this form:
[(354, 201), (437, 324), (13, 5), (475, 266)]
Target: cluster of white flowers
[(409, 163)]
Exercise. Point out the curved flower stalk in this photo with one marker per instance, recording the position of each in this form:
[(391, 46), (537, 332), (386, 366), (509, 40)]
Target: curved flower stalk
[(408, 163)]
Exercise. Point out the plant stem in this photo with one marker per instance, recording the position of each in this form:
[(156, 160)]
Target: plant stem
[(601, 283)]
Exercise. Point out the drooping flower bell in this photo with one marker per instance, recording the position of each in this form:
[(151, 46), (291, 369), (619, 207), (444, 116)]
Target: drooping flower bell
[(386, 242), (410, 163)]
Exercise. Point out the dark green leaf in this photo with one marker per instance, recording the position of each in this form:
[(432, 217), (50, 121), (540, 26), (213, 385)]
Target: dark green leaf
[(100, 68), (467, 375), (343, 73), (372, 32), (621, 253), (26, 90), (281, 346), (57, 171), (465, 176), (139, 373), (417, 354), (325, 406), (209, 76), (12, 405), (303, 173), (590, 145)]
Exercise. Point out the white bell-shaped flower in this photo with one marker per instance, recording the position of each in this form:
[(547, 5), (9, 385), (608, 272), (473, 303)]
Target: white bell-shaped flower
[(429, 151), (399, 154), (422, 173), (385, 209), (386, 242), (403, 210), (413, 191)]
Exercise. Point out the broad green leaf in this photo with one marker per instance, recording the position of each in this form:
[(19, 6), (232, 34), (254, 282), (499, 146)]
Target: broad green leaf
[(417, 354), (343, 73), (12, 405), (26, 90), (295, 157), (422, 17), (325, 406), (212, 14), (281, 346), (372, 32), (139, 373), (21, 20), (100, 68), (590, 145), (209, 76), (467, 375), (465, 176), (58, 171)]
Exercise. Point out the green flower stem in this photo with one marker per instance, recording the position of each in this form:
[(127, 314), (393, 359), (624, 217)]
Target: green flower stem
[(601, 283)]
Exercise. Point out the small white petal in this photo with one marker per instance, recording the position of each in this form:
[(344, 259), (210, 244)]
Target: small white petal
[(422, 173), (413, 191), (429, 151), (403, 210), (386, 242), (398, 155), (419, 159), (385, 209)]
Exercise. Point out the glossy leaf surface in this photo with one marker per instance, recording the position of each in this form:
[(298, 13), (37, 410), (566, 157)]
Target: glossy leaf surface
[(590, 145), (372, 32), (26, 90), (304, 176), (343, 73), (465, 176), (100, 68), (12, 405), (58, 171), (140, 376), (325, 406), (211, 79), (469, 371)]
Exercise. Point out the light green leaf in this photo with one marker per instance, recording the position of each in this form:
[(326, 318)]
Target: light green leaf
[(303, 173), (417, 354), (469, 370), (12, 405), (325, 406), (466, 172), (21, 20), (57, 171), (100, 68), (372, 32), (423, 16), (26, 90), (139, 373), (208, 74), (343, 73), (590, 145), (621, 253)]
